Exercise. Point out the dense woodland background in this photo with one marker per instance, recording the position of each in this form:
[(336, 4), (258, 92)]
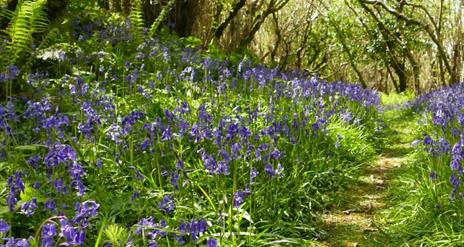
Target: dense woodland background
[(389, 45)]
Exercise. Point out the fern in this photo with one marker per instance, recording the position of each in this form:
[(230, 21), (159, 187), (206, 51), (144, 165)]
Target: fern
[(28, 18), (136, 18), (4, 12), (164, 13), (117, 235)]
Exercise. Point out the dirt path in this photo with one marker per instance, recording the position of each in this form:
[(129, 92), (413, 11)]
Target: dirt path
[(353, 222)]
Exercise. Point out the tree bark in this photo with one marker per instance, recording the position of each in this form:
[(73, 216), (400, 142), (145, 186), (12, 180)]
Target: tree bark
[(220, 29), (395, 84), (185, 12)]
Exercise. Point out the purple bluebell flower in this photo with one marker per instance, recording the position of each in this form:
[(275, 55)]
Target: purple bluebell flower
[(139, 175), (59, 153), (208, 163), (167, 204), (235, 149), (180, 239), (11, 200), (29, 207), (174, 179), (455, 182), (60, 186), (180, 164), (183, 127), (167, 134), (211, 242), (85, 210), (456, 166), (16, 185), (37, 109), (99, 163), (164, 172), (245, 132), (4, 227), (143, 224), (72, 235), (145, 144), (147, 225), (76, 171), (274, 172), (275, 154), (152, 243), (203, 114), (15, 242), (169, 115), (253, 174), (240, 195), (134, 196), (223, 168), (13, 71), (232, 130), (50, 205), (48, 232), (115, 133), (269, 170), (36, 185), (193, 228), (428, 140), (34, 161)]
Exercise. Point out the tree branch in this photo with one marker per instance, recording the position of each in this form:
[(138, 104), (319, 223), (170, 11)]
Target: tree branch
[(220, 29), (426, 27), (393, 12)]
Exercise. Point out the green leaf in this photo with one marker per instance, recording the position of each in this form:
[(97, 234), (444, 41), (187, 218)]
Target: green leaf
[(30, 148)]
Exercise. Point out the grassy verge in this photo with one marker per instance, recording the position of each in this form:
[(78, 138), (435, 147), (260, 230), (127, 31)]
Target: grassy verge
[(419, 211)]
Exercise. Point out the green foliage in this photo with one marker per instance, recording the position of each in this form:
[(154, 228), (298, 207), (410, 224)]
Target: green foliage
[(28, 19), (396, 99), (351, 141), (116, 235), (136, 18), (161, 17)]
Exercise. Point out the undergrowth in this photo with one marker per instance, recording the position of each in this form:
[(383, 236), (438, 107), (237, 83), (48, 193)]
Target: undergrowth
[(123, 139)]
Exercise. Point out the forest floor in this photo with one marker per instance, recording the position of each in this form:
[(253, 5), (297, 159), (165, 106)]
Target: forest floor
[(356, 220)]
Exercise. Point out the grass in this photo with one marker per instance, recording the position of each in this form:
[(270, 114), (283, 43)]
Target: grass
[(396, 98), (360, 217), (410, 217)]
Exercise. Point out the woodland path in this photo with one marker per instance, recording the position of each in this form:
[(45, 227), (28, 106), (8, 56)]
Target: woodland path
[(354, 221)]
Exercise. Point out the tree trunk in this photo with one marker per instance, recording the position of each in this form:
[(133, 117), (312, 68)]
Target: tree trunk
[(395, 84), (126, 6), (183, 22), (402, 77)]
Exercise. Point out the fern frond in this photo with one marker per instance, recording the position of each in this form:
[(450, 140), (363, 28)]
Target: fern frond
[(136, 18), (28, 18), (161, 17), (5, 13)]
